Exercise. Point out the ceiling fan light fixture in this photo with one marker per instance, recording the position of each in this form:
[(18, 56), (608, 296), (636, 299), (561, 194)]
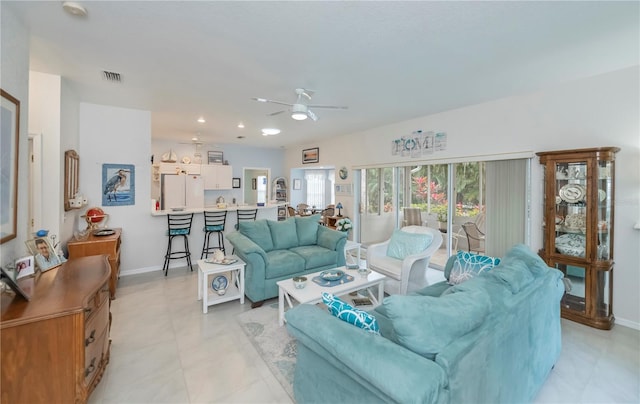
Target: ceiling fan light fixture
[(299, 112), (299, 116)]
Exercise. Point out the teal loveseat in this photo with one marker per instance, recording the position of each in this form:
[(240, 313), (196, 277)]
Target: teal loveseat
[(491, 339), (277, 250)]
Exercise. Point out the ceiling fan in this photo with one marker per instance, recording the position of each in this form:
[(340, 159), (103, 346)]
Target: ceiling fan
[(300, 110)]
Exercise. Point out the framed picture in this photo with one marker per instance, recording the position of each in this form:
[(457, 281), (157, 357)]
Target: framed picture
[(44, 254), (297, 184), (118, 185), (254, 183), (215, 157), (235, 183), (311, 155), (9, 135), (21, 287), (25, 267)]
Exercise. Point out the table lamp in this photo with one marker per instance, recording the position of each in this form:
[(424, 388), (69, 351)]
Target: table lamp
[(339, 206)]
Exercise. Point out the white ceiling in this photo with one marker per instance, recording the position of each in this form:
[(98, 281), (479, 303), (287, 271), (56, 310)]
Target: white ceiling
[(388, 61)]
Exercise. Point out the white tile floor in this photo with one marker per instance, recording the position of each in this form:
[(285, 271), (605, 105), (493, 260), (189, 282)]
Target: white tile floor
[(164, 350)]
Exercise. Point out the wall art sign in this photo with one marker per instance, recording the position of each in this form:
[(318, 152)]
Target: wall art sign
[(9, 140), (419, 144), (118, 185), (311, 155)]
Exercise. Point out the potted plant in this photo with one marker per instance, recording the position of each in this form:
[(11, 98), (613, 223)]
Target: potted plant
[(441, 214), (344, 224)]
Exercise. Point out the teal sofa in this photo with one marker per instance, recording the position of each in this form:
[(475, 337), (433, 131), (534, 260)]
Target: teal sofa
[(277, 250), (491, 339)]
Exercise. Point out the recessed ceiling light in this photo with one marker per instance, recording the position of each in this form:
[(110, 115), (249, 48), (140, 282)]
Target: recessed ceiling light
[(241, 125), (240, 137), (270, 131), (201, 120), (74, 9)]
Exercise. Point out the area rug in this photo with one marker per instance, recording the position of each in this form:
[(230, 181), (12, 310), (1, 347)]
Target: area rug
[(276, 347)]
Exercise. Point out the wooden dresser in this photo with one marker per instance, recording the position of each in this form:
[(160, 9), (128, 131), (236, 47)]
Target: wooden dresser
[(55, 347), (96, 245)]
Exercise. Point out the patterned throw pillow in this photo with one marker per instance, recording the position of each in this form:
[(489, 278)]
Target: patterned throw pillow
[(468, 265), (351, 315)]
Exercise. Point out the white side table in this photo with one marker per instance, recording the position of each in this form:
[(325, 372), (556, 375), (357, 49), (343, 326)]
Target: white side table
[(349, 246), (235, 286)]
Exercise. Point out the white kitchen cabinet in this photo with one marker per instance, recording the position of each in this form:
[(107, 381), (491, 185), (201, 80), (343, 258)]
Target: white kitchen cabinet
[(216, 176), (176, 168)]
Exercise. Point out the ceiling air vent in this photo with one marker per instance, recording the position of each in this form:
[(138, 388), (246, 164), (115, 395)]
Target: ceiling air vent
[(111, 76)]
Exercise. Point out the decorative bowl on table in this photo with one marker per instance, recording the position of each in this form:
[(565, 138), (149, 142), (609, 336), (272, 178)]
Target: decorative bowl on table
[(300, 282), (332, 275)]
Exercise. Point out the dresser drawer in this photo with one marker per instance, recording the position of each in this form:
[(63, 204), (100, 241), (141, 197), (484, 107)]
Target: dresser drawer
[(96, 301), (95, 333)]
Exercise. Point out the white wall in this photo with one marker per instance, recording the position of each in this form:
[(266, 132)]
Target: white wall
[(44, 119), (111, 135), (592, 112), (69, 140), (14, 79)]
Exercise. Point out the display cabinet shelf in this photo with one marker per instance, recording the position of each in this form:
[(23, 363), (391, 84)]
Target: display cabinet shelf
[(578, 230)]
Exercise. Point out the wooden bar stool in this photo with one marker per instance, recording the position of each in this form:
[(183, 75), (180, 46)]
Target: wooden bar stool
[(213, 223), (179, 225)]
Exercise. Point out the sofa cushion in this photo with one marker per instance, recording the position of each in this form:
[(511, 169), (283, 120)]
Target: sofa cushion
[(521, 252), (426, 324), (515, 275), (258, 231), (468, 265), (283, 234), (350, 314), (403, 244), (307, 229), (282, 263), (316, 256)]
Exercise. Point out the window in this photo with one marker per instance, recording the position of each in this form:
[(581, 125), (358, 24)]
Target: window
[(316, 185)]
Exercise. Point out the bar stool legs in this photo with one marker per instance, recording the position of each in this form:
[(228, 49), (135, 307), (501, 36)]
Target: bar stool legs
[(213, 223), (178, 226)]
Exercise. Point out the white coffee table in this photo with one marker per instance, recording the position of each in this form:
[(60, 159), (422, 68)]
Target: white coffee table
[(233, 292), (312, 293)]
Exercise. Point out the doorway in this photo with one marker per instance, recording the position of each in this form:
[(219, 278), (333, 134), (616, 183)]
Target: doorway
[(34, 216)]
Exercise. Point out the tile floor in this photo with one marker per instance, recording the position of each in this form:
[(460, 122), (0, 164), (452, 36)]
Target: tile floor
[(164, 350)]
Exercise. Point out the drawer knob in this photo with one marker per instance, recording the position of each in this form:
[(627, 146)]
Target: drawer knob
[(90, 339)]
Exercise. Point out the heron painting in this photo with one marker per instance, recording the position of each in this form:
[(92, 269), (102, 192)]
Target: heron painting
[(118, 184)]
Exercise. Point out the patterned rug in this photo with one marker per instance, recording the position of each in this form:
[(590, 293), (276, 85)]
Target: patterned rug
[(273, 343)]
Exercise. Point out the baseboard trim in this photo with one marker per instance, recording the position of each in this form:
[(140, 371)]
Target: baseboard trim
[(154, 268), (627, 323)]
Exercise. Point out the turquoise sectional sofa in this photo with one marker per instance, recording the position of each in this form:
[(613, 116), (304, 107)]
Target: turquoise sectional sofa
[(277, 250), (492, 339)]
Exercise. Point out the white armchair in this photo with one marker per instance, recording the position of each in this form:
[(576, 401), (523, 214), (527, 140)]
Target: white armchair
[(408, 274)]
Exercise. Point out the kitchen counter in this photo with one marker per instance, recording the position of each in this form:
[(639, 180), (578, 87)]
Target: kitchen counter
[(214, 208)]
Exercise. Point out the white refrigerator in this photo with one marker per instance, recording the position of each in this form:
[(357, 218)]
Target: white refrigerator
[(184, 190)]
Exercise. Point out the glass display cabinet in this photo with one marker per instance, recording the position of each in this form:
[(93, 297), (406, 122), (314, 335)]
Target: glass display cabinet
[(578, 230)]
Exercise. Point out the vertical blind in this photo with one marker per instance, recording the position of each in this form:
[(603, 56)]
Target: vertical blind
[(506, 206)]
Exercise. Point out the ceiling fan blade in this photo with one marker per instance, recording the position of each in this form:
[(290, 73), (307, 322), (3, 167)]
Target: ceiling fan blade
[(271, 101), (312, 115), (277, 113), (328, 106)]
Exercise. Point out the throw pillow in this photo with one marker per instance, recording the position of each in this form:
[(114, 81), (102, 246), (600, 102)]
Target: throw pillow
[(403, 244), (427, 324), (468, 265), (283, 234), (258, 232), (350, 314), (307, 228)]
